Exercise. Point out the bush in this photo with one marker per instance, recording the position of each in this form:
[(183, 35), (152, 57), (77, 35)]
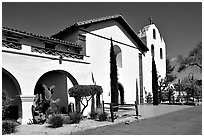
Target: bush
[(67, 119), (56, 120), (75, 117), (87, 92), (93, 115), (102, 116), (8, 127), (6, 102)]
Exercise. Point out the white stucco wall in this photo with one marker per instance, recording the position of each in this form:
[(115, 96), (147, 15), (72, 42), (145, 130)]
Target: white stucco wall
[(147, 60), (99, 51), (27, 70)]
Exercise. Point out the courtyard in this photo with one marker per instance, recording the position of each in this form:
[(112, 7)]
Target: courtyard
[(125, 118)]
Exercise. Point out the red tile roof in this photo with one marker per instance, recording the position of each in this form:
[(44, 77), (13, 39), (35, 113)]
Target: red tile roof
[(117, 17), (41, 37)]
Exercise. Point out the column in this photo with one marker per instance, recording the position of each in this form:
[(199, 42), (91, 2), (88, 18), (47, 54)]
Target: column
[(27, 102)]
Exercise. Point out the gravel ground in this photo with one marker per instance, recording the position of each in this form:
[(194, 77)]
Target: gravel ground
[(126, 117), (67, 128)]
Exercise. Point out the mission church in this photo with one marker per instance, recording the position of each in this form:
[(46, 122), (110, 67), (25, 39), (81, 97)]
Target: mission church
[(79, 55)]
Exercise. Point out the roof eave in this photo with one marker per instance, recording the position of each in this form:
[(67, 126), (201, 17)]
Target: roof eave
[(45, 38)]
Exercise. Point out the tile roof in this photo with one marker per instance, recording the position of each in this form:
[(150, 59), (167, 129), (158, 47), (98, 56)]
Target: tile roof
[(86, 22), (41, 37), (116, 17)]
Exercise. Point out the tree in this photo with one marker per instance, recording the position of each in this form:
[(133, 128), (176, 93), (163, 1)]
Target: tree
[(192, 88), (164, 83), (194, 59), (154, 83), (87, 92), (113, 75)]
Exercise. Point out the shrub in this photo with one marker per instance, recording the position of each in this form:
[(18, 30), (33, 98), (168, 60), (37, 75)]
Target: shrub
[(102, 116), (93, 115), (6, 102), (84, 92), (75, 117), (8, 127), (67, 119), (56, 120)]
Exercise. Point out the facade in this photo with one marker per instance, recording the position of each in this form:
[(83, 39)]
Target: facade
[(151, 36), (79, 54)]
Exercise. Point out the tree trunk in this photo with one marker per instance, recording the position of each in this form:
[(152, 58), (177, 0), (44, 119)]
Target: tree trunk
[(113, 76)]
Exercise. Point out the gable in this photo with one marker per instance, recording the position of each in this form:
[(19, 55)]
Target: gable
[(99, 23)]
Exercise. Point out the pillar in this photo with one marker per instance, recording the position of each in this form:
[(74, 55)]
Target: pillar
[(27, 102)]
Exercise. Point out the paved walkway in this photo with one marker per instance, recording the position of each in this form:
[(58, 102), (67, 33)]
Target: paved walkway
[(149, 110), (183, 122)]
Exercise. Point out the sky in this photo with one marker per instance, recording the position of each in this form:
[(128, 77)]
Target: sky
[(180, 23)]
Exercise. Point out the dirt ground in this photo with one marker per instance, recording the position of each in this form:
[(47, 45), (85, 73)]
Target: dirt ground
[(183, 122), (36, 129), (146, 111)]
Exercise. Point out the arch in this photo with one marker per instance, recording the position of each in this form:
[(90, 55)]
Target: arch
[(71, 78), (152, 50), (4, 71), (154, 34), (118, 54), (59, 78), (12, 87), (120, 94)]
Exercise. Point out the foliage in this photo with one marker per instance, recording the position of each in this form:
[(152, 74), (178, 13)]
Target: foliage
[(67, 119), (149, 98), (154, 83), (75, 117), (113, 75), (194, 59), (56, 120), (164, 83), (87, 92), (6, 102), (79, 91), (8, 127), (99, 115), (170, 93), (102, 116), (44, 105), (93, 115), (191, 86)]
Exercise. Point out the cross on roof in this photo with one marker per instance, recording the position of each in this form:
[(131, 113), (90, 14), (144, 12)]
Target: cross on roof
[(150, 20)]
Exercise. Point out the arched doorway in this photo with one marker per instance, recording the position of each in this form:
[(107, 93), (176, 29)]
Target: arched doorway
[(60, 79), (12, 87), (120, 94)]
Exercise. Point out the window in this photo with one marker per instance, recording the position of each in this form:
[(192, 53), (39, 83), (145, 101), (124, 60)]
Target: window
[(152, 50), (118, 54), (82, 37), (161, 54), (154, 34), (82, 42)]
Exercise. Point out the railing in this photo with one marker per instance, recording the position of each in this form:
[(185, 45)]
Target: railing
[(119, 106)]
